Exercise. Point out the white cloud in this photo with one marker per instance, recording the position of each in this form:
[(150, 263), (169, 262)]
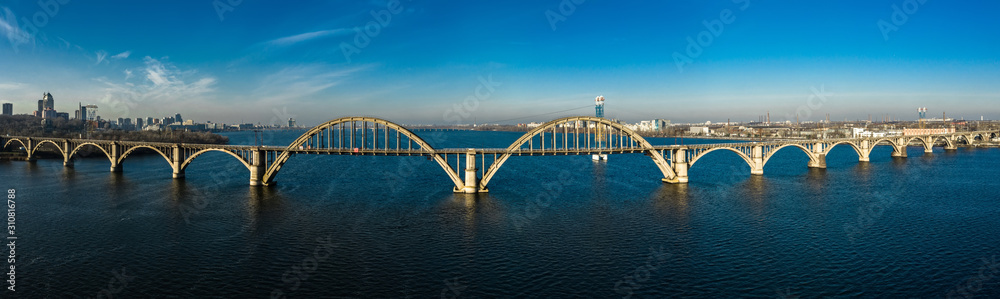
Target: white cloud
[(9, 86), (8, 27), (122, 55), (100, 56), (298, 38), (298, 82), (164, 85)]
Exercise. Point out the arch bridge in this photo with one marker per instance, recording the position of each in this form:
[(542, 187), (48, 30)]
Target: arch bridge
[(471, 169)]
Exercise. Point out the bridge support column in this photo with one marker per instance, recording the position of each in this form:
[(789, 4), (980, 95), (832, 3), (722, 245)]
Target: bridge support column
[(67, 160), (178, 160), (818, 157), (899, 151), (115, 153), (680, 167), (30, 150), (866, 151), (471, 175), (257, 168), (757, 154), (928, 148)]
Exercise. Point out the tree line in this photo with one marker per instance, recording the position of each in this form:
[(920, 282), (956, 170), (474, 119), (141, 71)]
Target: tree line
[(27, 125)]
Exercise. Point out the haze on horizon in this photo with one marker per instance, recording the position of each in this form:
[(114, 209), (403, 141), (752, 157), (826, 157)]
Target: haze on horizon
[(687, 61)]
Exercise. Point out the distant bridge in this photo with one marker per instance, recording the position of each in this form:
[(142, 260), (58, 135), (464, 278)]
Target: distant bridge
[(467, 168)]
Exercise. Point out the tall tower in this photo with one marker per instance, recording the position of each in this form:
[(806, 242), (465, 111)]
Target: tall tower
[(48, 102), (599, 107), (599, 137)]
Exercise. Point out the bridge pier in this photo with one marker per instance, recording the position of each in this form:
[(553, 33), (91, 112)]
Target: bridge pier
[(66, 150), (257, 168), (866, 151), (757, 154), (819, 157), (818, 162), (116, 167), (680, 167), (178, 160), (29, 149), (899, 152), (471, 175)]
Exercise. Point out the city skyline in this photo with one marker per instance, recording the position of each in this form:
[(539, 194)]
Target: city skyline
[(684, 61)]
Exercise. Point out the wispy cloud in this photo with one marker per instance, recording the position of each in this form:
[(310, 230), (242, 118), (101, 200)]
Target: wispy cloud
[(8, 86), (122, 55), (299, 82), (8, 27), (303, 37), (164, 85), (101, 55)]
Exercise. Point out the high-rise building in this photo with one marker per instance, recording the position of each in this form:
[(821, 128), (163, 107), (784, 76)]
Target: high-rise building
[(82, 112), (138, 123), (8, 109), (48, 102), (178, 119), (63, 115), (291, 122), (149, 121), (41, 107)]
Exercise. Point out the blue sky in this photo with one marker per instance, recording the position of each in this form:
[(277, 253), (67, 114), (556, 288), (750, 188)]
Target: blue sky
[(264, 61)]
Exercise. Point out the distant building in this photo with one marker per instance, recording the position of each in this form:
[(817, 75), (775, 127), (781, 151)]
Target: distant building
[(149, 121), (178, 119), (48, 102), (8, 109), (913, 132), (138, 123), (48, 113), (700, 130), (291, 122), (41, 107), (63, 115)]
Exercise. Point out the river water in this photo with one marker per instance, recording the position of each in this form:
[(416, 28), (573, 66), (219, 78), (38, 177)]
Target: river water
[(343, 226)]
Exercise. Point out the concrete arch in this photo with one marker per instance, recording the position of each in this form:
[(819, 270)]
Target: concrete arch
[(891, 141), (273, 169), (190, 159), (809, 153), (963, 137), (10, 141), (40, 143), (125, 154), (857, 149), (947, 141), (702, 154), (644, 145), (80, 146)]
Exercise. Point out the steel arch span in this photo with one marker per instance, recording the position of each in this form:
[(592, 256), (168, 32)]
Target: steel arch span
[(350, 135), (600, 136)]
